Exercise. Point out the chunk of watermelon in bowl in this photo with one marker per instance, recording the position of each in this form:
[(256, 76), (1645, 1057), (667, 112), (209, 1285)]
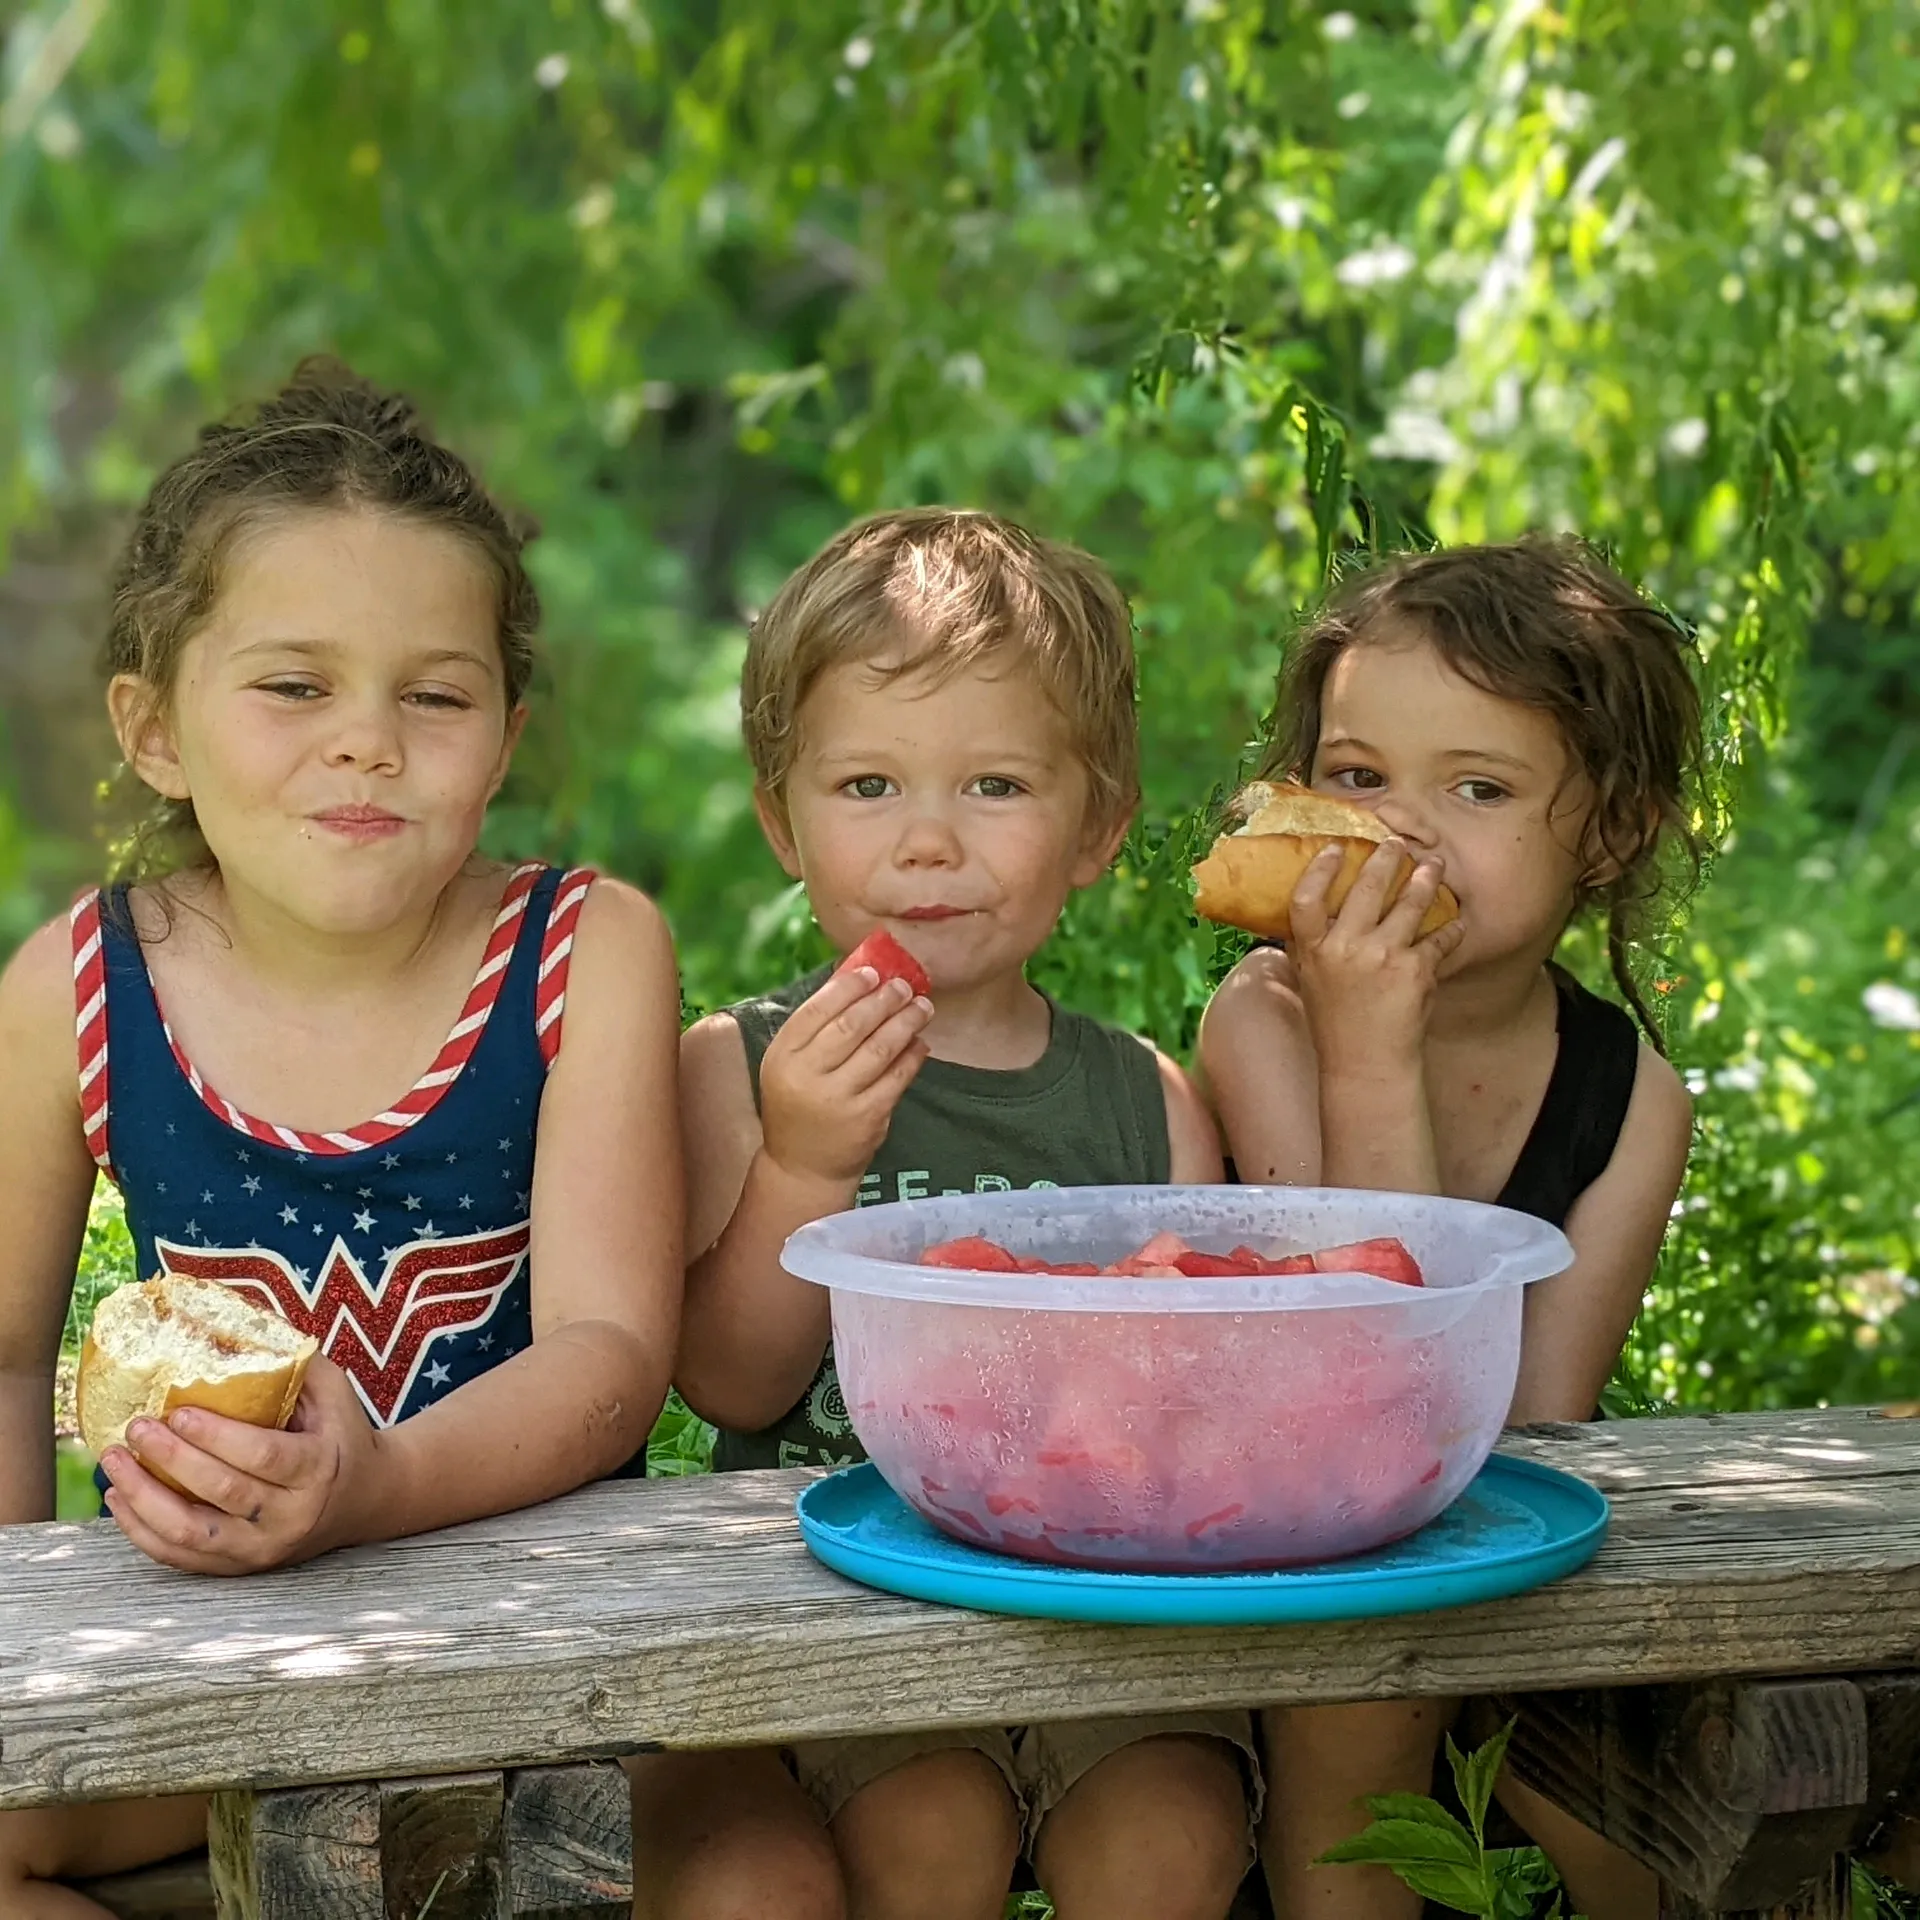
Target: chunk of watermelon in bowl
[(974, 1253), (1385, 1259), (890, 960)]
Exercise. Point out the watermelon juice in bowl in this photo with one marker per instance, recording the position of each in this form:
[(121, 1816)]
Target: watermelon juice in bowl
[(1178, 1418)]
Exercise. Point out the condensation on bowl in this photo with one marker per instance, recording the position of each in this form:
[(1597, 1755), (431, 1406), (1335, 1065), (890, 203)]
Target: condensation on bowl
[(1176, 1425)]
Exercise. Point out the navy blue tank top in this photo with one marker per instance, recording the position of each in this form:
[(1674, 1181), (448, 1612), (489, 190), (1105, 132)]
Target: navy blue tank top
[(401, 1244)]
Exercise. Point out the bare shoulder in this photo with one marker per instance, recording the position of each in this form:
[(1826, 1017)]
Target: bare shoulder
[(1650, 1157), (1659, 1106), (1262, 991), (622, 986), (1660, 1111), (39, 1054), (618, 920), (1266, 966), (718, 1113), (719, 1125), (713, 1055), (1192, 1137), (1255, 1021), (37, 1004)]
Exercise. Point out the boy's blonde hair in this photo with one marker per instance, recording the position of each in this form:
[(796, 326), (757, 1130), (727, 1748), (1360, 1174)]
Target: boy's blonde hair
[(938, 590)]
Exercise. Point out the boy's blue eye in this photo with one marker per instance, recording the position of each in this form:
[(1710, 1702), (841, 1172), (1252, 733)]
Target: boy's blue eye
[(289, 689), (996, 786), (869, 786)]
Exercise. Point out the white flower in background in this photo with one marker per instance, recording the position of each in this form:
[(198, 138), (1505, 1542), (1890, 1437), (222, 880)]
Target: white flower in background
[(1743, 1077), (553, 70), (965, 370), (594, 208), (1890, 1006), (58, 134), (1686, 438), (1412, 434), (1339, 26), (858, 52), (1376, 266)]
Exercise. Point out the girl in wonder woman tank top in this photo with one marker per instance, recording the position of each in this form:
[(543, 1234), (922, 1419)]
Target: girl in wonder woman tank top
[(418, 1102), (1527, 726)]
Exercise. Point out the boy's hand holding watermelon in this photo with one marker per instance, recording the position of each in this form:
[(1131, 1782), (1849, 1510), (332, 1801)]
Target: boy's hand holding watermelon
[(835, 1072)]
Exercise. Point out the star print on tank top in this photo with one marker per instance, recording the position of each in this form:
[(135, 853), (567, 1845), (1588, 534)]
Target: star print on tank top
[(401, 1245)]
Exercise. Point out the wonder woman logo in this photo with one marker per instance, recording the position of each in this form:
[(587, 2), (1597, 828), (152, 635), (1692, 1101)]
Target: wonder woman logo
[(377, 1332)]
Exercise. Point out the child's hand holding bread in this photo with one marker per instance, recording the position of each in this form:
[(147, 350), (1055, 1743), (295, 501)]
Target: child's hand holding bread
[(231, 1444)]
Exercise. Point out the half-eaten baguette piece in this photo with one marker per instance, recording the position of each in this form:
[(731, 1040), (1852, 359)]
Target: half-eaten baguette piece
[(178, 1342), (1249, 877)]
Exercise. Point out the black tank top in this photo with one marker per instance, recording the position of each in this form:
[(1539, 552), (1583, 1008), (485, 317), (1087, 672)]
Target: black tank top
[(1582, 1111)]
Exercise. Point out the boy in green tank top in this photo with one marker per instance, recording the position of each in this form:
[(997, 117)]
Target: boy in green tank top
[(940, 713)]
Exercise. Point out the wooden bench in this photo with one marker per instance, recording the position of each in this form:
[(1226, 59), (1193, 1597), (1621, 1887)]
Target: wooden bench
[(1724, 1690)]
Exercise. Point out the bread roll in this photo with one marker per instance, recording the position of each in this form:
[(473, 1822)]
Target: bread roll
[(1249, 877), (176, 1342)]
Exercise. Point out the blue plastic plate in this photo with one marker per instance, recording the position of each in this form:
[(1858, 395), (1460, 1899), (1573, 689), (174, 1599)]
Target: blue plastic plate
[(1517, 1526)]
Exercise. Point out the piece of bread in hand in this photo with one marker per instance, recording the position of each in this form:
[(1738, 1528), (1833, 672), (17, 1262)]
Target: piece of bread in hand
[(1249, 877), (177, 1342)]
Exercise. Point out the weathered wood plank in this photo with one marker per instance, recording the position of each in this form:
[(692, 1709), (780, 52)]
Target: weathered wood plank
[(440, 1847), (569, 1844), (1736, 1793), (689, 1614), (551, 1843), (295, 1854), (1829, 1897), (1893, 1752)]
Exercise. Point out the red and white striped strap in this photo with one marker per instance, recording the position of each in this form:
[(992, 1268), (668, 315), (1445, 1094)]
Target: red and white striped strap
[(556, 951), (90, 1024), (421, 1098)]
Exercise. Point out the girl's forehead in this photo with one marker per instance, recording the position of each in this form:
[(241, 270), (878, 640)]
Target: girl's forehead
[(354, 579), (1399, 693), (347, 554)]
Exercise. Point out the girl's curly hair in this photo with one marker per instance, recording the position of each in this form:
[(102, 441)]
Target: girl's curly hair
[(1547, 622)]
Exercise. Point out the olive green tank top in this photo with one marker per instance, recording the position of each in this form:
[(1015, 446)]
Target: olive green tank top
[(1089, 1112)]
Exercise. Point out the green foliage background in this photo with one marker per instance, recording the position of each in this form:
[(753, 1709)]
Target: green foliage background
[(1220, 288)]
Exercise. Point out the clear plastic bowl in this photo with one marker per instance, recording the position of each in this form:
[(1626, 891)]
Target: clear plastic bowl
[(1177, 1425)]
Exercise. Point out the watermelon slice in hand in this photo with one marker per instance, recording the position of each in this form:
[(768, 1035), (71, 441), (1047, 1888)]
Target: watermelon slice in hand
[(890, 960)]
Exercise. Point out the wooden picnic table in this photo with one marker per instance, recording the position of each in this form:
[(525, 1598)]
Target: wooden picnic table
[(1727, 1688)]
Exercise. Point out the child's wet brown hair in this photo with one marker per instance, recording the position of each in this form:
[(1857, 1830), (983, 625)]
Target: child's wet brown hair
[(1547, 622), (938, 590), (327, 440)]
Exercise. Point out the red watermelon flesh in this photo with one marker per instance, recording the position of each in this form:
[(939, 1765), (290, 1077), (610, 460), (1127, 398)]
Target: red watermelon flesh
[(1386, 1259), (890, 960), (1167, 1257), (1161, 1442), (974, 1254), (1145, 1441)]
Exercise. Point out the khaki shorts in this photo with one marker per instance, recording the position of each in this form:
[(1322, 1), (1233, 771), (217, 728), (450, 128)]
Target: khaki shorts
[(1039, 1763)]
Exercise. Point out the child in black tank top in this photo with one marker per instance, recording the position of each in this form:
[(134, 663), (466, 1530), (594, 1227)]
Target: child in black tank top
[(1527, 727)]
